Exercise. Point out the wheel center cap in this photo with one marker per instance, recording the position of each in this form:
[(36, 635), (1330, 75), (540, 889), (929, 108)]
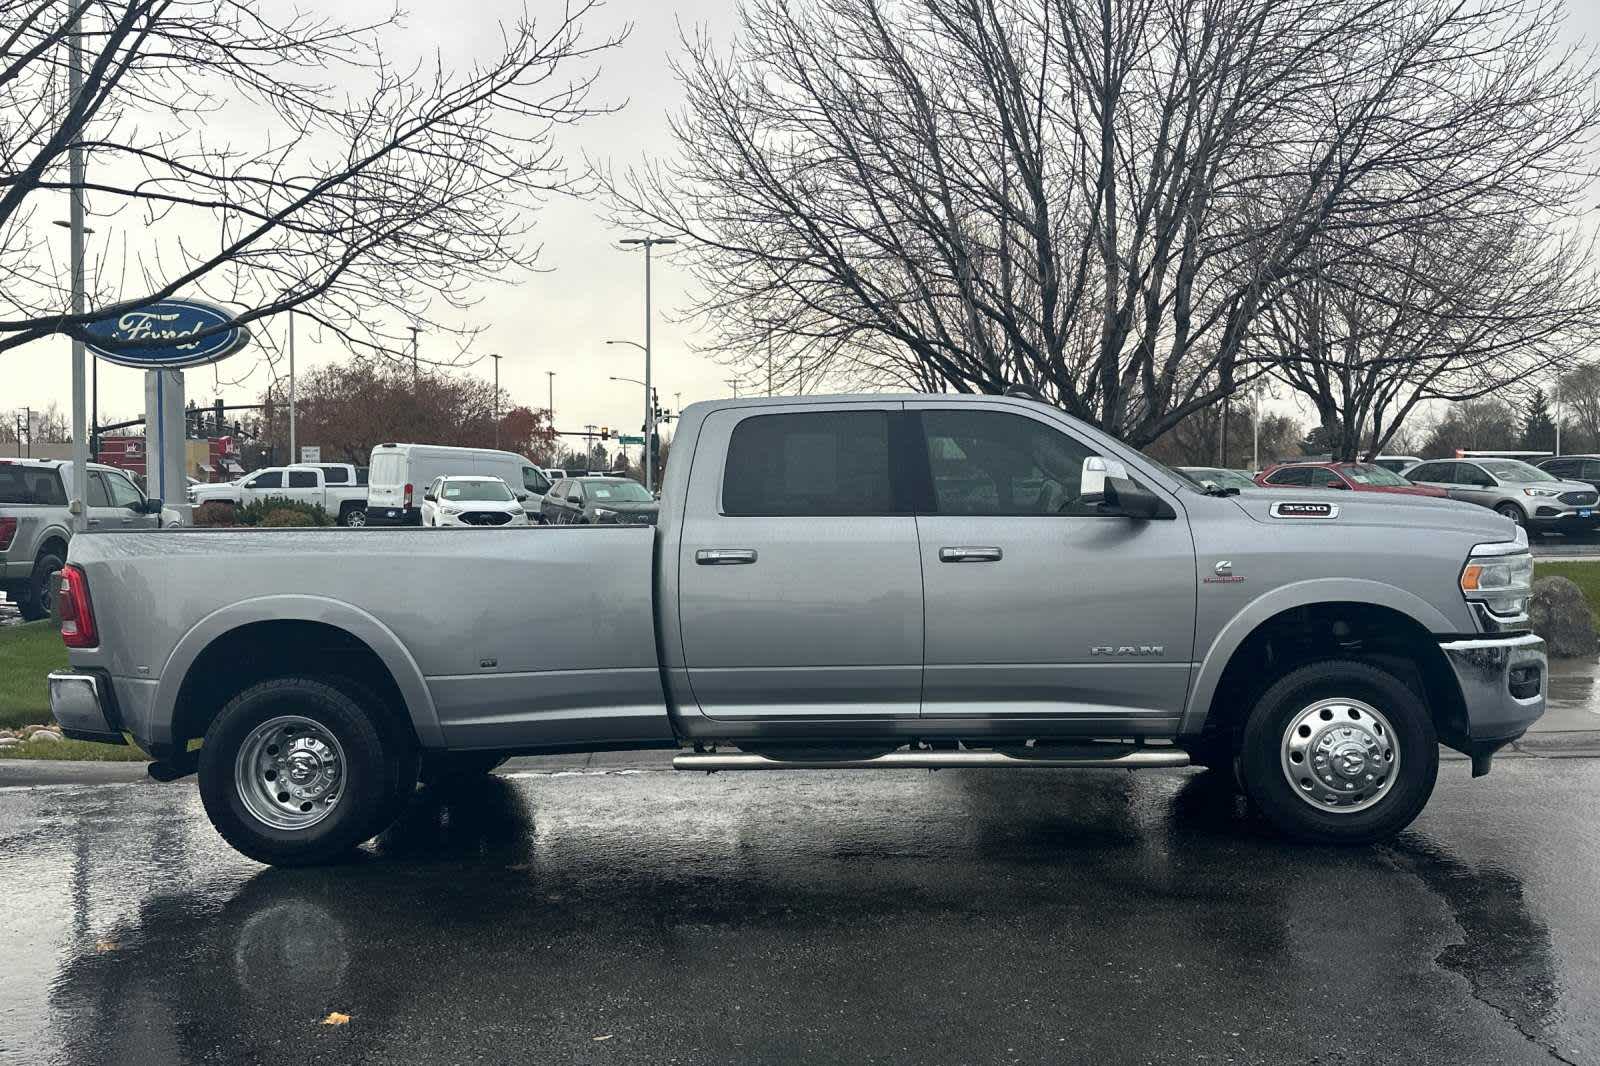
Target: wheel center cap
[(1349, 759), (303, 766)]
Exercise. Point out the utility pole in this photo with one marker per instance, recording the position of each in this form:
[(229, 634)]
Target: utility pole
[(75, 177), (414, 331), (1255, 435), (769, 360), (677, 405), (550, 414), (1222, 442), (496, 359), (649, 407), (1558, 412), (294, 452), (735, 383)]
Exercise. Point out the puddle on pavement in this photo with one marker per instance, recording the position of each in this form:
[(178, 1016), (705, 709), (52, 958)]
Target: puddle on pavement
[(1572, 685)]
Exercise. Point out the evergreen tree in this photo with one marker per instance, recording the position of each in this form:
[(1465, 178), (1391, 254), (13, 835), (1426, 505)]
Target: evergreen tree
[(1539, 431)]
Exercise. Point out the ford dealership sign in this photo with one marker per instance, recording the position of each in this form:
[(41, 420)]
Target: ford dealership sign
[(160, 335)]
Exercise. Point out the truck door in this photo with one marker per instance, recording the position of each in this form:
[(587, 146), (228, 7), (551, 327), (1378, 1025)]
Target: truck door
[(1037, 606), (127, 504), (799, 586), (305, 486)]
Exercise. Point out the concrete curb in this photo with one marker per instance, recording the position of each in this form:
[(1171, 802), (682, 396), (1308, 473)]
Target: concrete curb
[(1564, 744)]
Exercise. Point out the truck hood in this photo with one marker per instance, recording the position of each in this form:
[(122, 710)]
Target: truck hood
[(1399, 510)]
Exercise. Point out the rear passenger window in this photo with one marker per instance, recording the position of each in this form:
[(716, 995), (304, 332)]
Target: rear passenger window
[(1294, 475), (335, 475), (302, 479), (813, 464)]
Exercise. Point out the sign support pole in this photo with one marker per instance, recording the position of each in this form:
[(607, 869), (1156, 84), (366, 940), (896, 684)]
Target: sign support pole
[(75, 173), (292, 452)]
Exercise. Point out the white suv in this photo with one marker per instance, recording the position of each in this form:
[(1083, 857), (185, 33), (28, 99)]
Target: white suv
[(461, 500)]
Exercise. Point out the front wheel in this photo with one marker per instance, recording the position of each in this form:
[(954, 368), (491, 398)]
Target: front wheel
[(295, 772), (1340, 751), (1513, 512)]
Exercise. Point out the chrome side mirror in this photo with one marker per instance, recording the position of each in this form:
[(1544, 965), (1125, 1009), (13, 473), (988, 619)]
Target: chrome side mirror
[(1092, 482)]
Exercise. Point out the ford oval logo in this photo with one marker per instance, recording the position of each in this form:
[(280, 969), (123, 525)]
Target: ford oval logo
[(159, 336)]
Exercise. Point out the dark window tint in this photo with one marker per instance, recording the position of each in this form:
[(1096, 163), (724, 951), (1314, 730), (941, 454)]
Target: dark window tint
[(302, 479), (992, 463), (1321, 477), (1292, 475), (361, 475), (1562, 467), (335, 475), (21, 484), (1591, 470), (823, 463), (534, 481), (98, 497), (1470, 474), (1428, 472)]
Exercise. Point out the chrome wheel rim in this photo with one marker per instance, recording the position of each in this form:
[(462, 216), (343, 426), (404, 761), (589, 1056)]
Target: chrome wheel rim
[(356, 518), (290, 772), (1340, 755)]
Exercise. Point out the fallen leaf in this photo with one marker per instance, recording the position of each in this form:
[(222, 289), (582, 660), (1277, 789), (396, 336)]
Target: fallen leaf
[(600, 1038), (335, 1018), (103, 946)]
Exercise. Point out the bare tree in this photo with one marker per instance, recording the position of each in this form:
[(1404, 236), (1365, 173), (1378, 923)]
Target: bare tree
[(1580, 402), (1466, 313), (1095, 202), (366, 196)]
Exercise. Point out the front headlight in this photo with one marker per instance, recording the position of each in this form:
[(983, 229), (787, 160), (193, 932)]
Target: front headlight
[(449, 510), (1501, 582), (604, 512), (1541, 492)]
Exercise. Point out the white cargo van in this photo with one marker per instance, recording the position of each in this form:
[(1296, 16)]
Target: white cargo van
[(399, 473)]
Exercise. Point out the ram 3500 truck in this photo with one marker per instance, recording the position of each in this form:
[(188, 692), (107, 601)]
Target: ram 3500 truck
[(852, 582)]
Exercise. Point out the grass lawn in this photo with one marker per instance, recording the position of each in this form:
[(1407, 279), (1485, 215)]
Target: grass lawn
[(1585, 575), (27, 654)]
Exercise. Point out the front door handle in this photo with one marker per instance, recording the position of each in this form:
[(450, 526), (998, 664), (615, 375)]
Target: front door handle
[(969, 555), (724, 556)]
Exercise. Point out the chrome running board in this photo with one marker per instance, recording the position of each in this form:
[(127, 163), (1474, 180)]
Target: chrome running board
[(1134, 759)]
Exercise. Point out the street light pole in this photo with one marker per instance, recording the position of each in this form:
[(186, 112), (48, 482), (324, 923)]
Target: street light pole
[(649, 408), (294, 453), (75, 175), (496, 359), (414, 331)]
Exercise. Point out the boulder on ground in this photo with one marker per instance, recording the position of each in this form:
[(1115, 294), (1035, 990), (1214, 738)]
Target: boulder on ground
[(44, 734), (1560, 614)]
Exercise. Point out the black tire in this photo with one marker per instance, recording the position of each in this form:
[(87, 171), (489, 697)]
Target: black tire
[(39, 593), (1513, 512), (369, 782), (354, 517), (1262, 758), (453, 767)]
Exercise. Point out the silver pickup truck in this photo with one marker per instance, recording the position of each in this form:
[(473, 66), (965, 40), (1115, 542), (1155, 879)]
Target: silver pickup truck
[(855, 582)]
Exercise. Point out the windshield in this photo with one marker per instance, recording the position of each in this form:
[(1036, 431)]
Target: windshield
[(618, 492), (1222, 478), (476, 490), (1373, 474), (1515, 471)]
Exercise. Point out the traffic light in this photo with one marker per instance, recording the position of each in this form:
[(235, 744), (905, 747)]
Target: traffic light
[(605, 432)]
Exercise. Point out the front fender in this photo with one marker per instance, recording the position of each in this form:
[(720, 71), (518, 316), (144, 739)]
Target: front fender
[(1288, 597), (298, 608)]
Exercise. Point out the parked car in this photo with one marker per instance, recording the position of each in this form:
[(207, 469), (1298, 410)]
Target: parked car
[(596, 501), (1355, 477), (554, 473), (1396, 463), (458, 500), (341, 473), (1584, 468), (36, 527), (399, 473), (1219, 476), (814, 597), (302, 484), (1530, 497)]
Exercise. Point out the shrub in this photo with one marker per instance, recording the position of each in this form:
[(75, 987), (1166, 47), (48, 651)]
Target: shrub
[(279, 512), (215, 513)]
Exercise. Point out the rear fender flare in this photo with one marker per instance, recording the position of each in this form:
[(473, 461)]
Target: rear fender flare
[(1288, 597), (353, 620)]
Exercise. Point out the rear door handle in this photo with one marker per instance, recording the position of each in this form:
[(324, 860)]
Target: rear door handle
[(969, 555), (724, 556)]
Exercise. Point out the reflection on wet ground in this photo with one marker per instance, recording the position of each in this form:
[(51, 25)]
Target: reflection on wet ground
[(806, 917)]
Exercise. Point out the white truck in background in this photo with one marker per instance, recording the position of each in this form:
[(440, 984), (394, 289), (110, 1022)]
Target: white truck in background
[(301, 484)]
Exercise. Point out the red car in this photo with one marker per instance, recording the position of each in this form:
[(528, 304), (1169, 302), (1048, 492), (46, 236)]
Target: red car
[(1357, 477)]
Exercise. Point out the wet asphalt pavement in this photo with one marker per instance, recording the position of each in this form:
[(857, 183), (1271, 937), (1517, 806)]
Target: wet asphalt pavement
[(963, 916)]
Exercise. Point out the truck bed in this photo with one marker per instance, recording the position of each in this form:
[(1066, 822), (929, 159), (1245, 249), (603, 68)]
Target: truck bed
[(515, 638)]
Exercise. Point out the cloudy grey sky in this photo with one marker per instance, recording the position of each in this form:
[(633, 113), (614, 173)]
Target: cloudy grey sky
[(556, 320)]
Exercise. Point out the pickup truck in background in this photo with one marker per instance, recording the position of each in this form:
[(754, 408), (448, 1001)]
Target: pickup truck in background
[(36, 526), (855, 582), (308, 484)]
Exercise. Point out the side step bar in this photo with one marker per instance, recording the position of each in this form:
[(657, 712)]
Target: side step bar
[(1139, 758)]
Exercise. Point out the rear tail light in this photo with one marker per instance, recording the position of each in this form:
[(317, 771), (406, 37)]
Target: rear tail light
[(409, 491), (77, 613), (8, 532)]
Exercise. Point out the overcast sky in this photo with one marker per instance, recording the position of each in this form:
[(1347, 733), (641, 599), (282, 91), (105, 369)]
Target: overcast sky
[(557, 320)]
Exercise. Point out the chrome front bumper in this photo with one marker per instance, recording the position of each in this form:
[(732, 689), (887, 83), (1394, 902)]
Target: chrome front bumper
[(1502, 681), (82, 706)]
